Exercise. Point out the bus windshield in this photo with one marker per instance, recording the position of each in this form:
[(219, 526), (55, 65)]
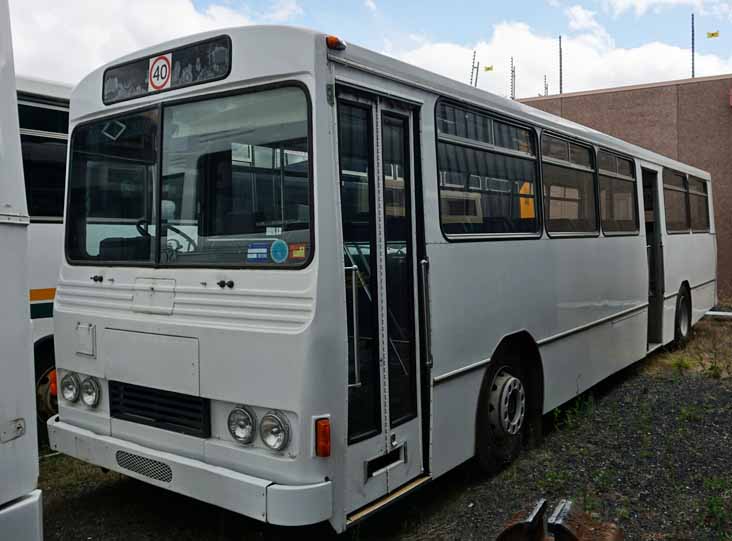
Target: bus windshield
[(233, 187)]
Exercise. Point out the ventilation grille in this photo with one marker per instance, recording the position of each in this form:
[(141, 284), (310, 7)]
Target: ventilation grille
[(145, 466), (162, 409)]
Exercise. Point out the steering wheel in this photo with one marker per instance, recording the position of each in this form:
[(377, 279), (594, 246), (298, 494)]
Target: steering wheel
[(141, 227), (191, 243)]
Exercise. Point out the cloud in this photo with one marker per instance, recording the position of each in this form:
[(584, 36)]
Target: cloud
[(640, 7), (283, 10), (370, 4), (63, 41), (589, 63), (583, 20)]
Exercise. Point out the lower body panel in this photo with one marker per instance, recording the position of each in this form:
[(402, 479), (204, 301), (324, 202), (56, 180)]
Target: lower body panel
[(22, 519), (261, 499)]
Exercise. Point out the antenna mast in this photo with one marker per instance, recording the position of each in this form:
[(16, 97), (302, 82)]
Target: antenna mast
[(472, 69), (561, 73), (692, 47)]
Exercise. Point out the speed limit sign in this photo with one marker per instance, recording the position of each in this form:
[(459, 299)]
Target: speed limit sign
[(158, 77)]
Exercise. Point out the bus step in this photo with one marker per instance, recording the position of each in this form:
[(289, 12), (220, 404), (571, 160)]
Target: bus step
[(362, 513)]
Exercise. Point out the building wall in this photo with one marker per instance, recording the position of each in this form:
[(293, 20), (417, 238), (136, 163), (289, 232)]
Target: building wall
[(689, 121)]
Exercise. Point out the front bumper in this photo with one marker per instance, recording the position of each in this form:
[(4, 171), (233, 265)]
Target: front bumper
[(285, 505)]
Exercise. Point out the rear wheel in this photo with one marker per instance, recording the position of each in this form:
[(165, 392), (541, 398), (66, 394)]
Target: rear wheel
[(46, 389), (503, 416), (682, 328)]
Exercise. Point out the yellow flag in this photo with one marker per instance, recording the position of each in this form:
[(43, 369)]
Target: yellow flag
[(488, 68), (713, 34)]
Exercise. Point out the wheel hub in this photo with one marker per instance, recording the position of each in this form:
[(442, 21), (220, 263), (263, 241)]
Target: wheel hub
[(507, 404)]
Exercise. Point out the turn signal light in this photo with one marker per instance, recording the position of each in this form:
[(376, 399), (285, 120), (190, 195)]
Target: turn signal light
[(335, 43), (322, 438)]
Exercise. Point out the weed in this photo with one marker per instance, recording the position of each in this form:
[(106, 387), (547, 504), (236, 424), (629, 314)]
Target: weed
[(719, 505), (572, 415), (691, 413)]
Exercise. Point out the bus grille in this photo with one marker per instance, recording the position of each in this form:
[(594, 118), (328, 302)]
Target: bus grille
[(148, 467), (162, 409)]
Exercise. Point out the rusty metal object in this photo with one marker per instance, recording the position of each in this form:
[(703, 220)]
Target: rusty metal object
[(526, 525), (569, 523)]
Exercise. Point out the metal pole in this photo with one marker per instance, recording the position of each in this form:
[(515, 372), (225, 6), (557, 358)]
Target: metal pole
[(693, 47), (477, 71), (472, 69), (546, 86), (561, 74)]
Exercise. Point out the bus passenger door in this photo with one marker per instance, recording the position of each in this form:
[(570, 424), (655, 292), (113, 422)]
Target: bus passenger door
[(375, 139), (654, 251)]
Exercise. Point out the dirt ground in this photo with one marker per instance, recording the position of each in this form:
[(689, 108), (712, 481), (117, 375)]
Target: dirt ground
[(650, 448)]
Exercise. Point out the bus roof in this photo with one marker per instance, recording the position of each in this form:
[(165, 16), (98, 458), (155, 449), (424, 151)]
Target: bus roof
[(86, 98), (43, 87)]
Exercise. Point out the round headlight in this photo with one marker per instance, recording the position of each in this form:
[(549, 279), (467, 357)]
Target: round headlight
[(90, 392), (70, 387), (242, 424), (275, 430)]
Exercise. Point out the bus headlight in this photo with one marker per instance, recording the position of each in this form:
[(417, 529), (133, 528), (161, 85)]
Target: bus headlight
[(90, 392), (70, 387), (275, 430), (242, 424)]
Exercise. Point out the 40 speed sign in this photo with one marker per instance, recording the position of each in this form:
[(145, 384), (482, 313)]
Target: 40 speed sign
[(158, 77)]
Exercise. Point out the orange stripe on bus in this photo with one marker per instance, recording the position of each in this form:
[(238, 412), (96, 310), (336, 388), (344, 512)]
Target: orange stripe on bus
[(46, 294)]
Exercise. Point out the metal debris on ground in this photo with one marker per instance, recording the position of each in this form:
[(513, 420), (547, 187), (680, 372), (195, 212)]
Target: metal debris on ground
[(526, 525), (567, 523)]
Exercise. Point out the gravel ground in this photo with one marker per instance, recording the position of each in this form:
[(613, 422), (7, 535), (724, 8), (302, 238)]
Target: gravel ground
[(650, 449)]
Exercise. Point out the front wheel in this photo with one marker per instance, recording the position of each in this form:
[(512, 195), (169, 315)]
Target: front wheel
[(502, 417), (46, 391)]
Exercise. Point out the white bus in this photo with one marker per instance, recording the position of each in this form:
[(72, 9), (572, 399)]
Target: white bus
[(219, 201), (43, 112), (21, 512)]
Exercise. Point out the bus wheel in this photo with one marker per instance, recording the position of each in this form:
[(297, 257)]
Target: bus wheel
[(682, 327), (46, 392), (503, 417)]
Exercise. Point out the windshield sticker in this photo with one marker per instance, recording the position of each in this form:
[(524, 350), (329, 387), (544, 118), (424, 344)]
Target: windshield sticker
[(258, 252), (279, 251), (298, 251)]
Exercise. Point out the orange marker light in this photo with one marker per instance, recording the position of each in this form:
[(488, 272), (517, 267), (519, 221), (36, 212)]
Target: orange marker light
[(322, 438), (335, 43), (53, 385)]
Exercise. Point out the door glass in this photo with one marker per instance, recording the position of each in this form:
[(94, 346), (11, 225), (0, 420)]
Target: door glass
[(359, 246), (399, 286)]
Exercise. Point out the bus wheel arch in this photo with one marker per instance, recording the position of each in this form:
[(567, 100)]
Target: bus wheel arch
[(513, 380), (46, 385), (682, 316)]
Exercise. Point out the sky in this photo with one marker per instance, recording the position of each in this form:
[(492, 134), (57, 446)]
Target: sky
[(606, 43)]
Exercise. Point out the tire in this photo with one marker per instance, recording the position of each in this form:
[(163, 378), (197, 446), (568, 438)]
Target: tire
[(682, 324), (46, 399), (504, 415)]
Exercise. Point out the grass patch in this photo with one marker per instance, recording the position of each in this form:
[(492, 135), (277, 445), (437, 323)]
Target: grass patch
[(709, 352)]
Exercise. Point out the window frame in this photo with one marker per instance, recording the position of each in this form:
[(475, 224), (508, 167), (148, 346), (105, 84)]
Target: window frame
[(685, 191), (569, 165), (48, 104), (617, 175), (705, 195), (487, 147), (160, 105)]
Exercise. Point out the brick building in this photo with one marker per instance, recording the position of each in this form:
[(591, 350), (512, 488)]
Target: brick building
[(688, 120)]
